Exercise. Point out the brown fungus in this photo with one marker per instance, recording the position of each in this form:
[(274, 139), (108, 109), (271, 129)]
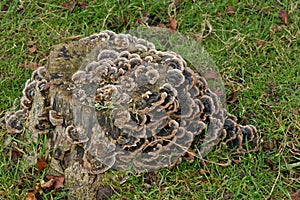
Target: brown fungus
[(126, 106)]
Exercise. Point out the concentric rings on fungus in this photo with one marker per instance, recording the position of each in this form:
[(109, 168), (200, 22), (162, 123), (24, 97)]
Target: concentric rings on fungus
[(128, 107)]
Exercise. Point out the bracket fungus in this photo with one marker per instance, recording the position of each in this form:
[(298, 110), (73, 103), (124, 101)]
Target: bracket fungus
[(115, 101)]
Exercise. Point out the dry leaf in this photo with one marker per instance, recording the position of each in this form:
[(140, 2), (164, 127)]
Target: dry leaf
[(54, 181), (104, 193), (260, 43), (295, 196), (41, 164), (59, 182), (236, 161), (270, 164), (230, 10), (69, 5), (283, 15), (173, 24), (204, 180), (232, 97), (83, 4), (48, 184), (32, 49), (31, 196), (32, 65), (204, 172)]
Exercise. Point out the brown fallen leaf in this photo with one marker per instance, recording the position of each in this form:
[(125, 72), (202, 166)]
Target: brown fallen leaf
[(54, 181), (59, 182), (83, 5), (15, 154), (41, 164), (296, 195), (104, 193), (232, 97), (32, 49), (69, 5), (283, 15), (236, 161), (173, 24), (204, 172), (270, 164), (30, 196), (230, 10), (48, 184), (4, 8), (32, 65), (260, 43), (204, 180)]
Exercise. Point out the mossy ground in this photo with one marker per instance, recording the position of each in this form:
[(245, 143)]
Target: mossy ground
[(256, 53)]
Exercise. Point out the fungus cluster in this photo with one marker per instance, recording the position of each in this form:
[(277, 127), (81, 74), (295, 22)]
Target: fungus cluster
[(129, 106)]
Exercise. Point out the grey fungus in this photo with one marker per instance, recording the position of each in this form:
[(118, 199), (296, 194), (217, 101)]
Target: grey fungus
[(134, 106), (175, 77), (42, 85), (153, 76), (107, 54), (76, 134), (78, 77), (14, 124), (55, 118), (25, 102), (29, 90), (39, 74), (121, 41)]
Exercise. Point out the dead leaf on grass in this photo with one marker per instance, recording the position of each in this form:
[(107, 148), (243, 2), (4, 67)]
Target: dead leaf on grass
[(69, 5), (236, 161), (83, 4), (260, 43), (32, 49), (204, 180), (30, 196), (204, 172), (104, 193), (232, 97), (270, 164), (41, 164), (295, 195), (48, 184), (16, 154), (54, 181), (230, 10), (32, 65), (283, 15), (173, 24)]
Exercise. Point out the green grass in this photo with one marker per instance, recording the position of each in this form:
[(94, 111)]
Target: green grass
[(267, 78)]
